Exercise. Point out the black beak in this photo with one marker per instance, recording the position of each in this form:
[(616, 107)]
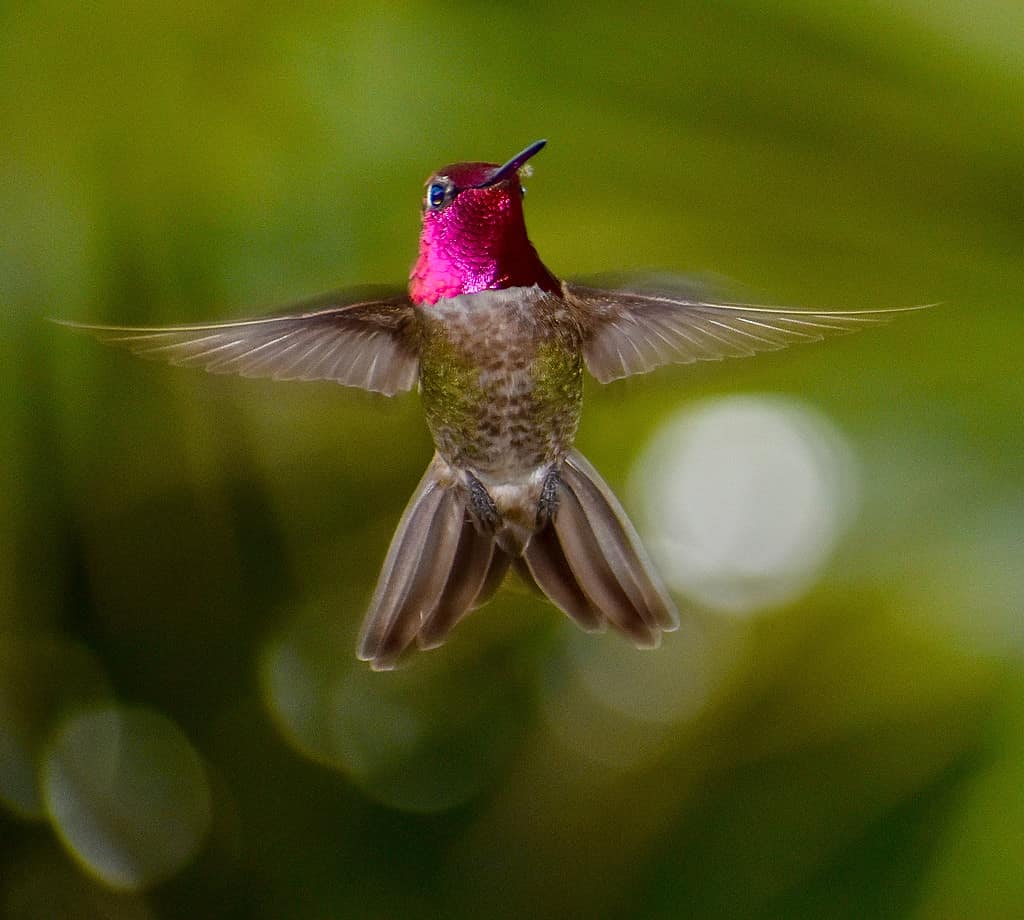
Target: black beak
[(509, 169)]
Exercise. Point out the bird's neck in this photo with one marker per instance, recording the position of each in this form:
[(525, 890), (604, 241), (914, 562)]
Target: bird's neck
[(450, 264)]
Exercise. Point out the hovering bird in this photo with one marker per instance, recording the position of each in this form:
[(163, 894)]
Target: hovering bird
[(498, 346)]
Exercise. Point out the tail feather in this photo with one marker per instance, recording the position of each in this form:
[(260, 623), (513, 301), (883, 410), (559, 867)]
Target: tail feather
[(438, 568), (495, 576), (618, 538), (547, 567), (470, 570), (590, 562), (587, 559), (416, 570)]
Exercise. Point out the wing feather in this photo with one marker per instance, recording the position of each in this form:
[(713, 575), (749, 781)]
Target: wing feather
[(366, 342), (632, 330)]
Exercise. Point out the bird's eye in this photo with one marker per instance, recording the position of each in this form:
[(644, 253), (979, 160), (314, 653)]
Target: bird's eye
[(437, 194)]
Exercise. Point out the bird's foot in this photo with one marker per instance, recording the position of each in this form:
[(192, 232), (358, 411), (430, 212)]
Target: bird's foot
[(482, 505), (548, 504)]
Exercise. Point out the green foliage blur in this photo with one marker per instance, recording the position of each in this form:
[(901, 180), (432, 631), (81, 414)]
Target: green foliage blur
[(185, 559)]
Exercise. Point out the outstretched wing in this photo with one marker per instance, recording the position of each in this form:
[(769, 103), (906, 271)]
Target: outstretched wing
[(354, 338), (632, 330)]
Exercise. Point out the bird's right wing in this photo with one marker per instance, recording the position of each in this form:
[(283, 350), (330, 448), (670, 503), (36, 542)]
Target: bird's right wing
[(354, 340)]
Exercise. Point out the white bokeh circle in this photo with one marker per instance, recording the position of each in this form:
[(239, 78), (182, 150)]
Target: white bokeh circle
[(743, 499)]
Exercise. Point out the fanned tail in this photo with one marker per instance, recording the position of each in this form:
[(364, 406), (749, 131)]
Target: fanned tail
[(589, 561), (438, 568)]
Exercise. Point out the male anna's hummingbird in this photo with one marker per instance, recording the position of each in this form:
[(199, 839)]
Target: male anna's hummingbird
[(497, 345)]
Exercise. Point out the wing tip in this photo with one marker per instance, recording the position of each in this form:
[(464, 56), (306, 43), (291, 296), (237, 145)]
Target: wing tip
[(78, 326)]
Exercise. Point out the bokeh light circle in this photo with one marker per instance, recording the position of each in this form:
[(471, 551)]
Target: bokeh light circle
[(425, 738), (743, 499), (672, 685), (128, 795), (43, 679)]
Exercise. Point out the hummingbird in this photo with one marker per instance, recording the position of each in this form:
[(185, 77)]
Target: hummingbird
[(498, 346)]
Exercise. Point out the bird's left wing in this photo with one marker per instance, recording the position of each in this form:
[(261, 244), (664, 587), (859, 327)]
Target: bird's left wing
[(632, 330), (357, 339)]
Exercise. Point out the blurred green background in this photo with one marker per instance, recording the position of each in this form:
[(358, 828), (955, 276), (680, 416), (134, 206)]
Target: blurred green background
[(185, 559)]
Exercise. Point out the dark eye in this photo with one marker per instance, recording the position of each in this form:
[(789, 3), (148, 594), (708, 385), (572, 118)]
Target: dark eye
[(437, 194)]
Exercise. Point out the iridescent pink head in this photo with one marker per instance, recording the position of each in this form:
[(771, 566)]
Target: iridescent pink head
[(474, 235)]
